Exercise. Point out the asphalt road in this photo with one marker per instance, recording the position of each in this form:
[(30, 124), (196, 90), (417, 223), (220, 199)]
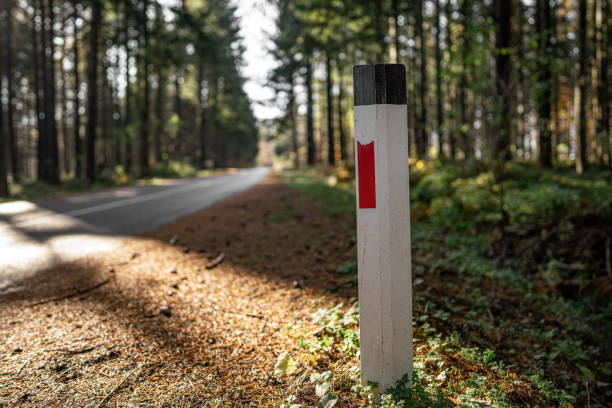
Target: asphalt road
[(39, 234)]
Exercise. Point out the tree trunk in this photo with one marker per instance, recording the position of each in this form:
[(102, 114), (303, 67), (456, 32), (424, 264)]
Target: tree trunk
[(581, 145), (144, 107), (37, 59), (309, 115), (12, 139), (503, 41), (78, 146), (331, 159), (422, 121), (202, 113), (92, 89), (53, 158), (463, 109), (603, 99), (65, 136), (4, 191), (452, 139), (395, 57), (292, 106), (127, 138), (543, 29), (160, 95), (439, 107), (343, 153)]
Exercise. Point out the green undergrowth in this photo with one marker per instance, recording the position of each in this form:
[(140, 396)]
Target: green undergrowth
[(511, 295), (109, 177)]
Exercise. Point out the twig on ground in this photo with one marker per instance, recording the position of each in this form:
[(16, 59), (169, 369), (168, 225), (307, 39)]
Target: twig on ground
[(81, 350), (26, 363), (216, 261), (73, 294), (105, 400)]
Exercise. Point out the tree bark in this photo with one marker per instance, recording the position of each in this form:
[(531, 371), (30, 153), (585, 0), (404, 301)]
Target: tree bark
[(452, 139), (63, 75), (422, 121), (202, 113), (503, 41), (343, 152), (309, 115), (50, 102), (439, 99), (4, 190), (144, 107), (127, 138), (78, 144), (92, 89), (603, 97), (463, 109), (581, 145), (331, 159), (12, 138), (543, 28)]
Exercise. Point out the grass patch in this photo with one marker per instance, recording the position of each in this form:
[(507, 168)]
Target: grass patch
[(511, 296), (108, 178)]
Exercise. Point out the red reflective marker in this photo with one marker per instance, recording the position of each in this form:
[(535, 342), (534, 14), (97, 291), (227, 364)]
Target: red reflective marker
[(367, 175)]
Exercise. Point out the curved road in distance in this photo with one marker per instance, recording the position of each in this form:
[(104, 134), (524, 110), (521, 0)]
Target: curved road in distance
[(40, 234)]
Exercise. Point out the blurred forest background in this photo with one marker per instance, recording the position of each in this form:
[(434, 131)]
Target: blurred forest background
[(523, 80), (511, 79), (104, 89)]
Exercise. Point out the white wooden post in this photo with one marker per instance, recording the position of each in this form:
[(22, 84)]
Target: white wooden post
[(383, 223)]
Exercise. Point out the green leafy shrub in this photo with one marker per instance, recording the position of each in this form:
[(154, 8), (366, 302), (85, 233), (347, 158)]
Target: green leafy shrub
[(173, 169)]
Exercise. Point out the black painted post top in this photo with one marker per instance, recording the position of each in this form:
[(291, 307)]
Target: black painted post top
[(379, 84)]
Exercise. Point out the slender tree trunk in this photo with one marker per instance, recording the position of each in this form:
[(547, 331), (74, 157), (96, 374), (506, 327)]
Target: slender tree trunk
[(4, 190), (343, 152), (12, 138), (503, 41), (78, 146), (144, 107), (543, 28), (53, 159), (422, 122), (331, 159), (65, 136), (309, 115), (395, 57), (160, 94), (452, 139), (293, 112), (92, 89), (463, 109), (603, 123), (128, 136), (439, 98), (160, 114), (379, 33), (202, 113), (37, 63), (581, 145)]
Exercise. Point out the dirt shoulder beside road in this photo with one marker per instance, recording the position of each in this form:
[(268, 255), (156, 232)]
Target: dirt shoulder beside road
[(178, 334)]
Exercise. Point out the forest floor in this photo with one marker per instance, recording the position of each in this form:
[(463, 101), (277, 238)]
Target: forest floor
[(251, 302)]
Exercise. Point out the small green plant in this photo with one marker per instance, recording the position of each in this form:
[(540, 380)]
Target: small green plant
[(415, 394)]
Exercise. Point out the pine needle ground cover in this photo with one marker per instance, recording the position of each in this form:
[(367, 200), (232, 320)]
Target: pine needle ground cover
[(274, 321)]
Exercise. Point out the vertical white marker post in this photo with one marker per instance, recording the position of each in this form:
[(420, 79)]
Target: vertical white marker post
[(383, 223)]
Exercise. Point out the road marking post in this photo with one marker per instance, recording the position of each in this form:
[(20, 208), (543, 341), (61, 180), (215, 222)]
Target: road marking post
[(383, 223)]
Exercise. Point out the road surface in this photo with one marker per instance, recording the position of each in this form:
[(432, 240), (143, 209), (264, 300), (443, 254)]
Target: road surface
[(36, 235)]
